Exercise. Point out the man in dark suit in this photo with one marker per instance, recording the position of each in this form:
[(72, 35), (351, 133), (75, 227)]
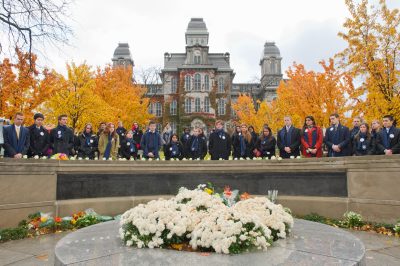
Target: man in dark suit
[(39, 137), (388, 139), (289, 140), (337, 138), (61, 137), (16, 138), (219, 143)]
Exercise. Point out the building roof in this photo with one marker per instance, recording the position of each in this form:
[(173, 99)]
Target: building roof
[(197, 26), (270, 49), (122, 52), (218, 61)]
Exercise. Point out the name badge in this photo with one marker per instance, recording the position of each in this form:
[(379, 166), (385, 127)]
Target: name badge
[(122, 134), (391, 136), (362, 140), (331, 129), (268, 152), (364, 147), (91, 141), (128, 144), (306, 130), (41, 133), (170, 149), (59, 132), (223, 137)]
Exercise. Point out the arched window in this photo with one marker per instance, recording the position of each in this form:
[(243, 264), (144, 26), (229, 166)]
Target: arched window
[(207, 82), (221, 106), (206, 104), (197, 105), (158, 109), (173, 107), (188, 105), (197, 82), (221, 85), (197, 60), (188, 81), (174, 85)]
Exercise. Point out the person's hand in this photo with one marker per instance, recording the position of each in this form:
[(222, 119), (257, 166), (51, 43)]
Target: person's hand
[(288, 150), (18, 156), (313, 151), (150, 154)]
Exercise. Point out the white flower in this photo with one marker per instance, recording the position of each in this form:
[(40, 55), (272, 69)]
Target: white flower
[(25, 156), (36, 157)]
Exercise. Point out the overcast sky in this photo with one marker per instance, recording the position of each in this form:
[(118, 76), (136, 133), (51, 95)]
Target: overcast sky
[(305, 31)]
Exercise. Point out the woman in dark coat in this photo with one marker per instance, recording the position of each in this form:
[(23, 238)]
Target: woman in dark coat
[(197, 146), (363, 142), (86, 143), (243, 144), (174, 148), (128, 148), (266, 143)]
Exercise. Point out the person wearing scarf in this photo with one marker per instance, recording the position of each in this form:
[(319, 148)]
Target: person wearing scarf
[(174, 149), (243, 144), (137, 136), (151, 142), (235, 136), (108, 143), (311, 139), (289, 139), (87, 143), (219, 143), (388, 140), (185, 140), (62, 137), (128, 148), (266, 143), (363, 143), (197, 146), (39, 137)]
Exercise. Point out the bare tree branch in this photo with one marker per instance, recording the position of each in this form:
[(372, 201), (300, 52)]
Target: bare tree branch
[(24, 24)]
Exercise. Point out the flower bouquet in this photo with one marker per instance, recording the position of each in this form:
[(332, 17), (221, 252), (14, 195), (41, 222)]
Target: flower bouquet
[(60, 156), (203, 220)]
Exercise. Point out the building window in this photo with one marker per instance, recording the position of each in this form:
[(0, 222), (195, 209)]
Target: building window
[(150, 108), (197, 82), (207, 82), (173, 107), (197, 105), (197, 60), (221, 85), (173, 127), (188, 105), (243, 89), (206, 104), (221, 106), (174, 85), (188, 81), (158, 109)]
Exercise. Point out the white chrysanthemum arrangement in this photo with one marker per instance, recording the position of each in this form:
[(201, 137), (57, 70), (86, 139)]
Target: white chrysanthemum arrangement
[(202, 221)]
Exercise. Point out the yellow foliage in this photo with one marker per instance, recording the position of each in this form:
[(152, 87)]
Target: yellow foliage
[(373, 36)]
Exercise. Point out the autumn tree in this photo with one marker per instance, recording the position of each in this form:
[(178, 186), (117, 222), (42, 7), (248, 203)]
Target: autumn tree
[(372, 56), (75, 96), (114, 85), (313, 93), (248, 114), (23, 88)]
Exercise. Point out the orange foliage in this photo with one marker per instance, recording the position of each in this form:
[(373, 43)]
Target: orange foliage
[(22, 87)]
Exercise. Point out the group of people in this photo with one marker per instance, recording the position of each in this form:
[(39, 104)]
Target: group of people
[(112, 142)]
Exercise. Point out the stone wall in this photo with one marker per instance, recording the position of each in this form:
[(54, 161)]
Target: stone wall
[(327, 186)]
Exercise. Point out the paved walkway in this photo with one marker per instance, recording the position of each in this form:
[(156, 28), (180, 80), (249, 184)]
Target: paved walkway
[(381, 250)]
